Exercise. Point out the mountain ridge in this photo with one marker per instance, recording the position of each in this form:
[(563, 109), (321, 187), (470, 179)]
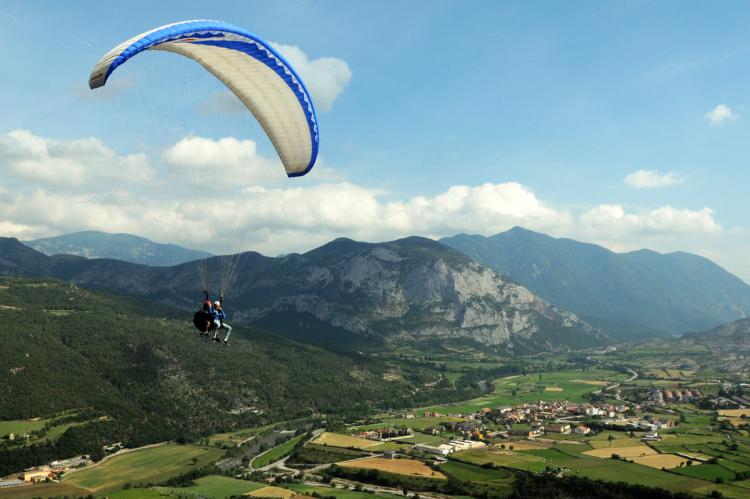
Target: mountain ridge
[(402, 291), (119, 246), (641, 290)]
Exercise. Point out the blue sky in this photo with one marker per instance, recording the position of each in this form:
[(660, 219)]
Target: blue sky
[(455, 117)]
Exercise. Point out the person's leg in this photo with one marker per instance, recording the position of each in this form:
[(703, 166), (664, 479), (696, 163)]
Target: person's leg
[(216, 327), (229, 331)]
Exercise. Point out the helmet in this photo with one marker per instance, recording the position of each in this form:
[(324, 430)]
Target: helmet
[(217, 303)]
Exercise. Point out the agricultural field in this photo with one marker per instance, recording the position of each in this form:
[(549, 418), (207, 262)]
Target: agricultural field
[(212, 486), (21, 426), (337, 493), (147, 464), (630, 451), (279, 452), (708, 472), (414, 423), (659, 461), (522, 445), (476, 474), (735, 413), (617, 442), (272, 491), (345, 441), (410, 467), (563, 385), (422, 438), (43, 490), (506, 458), (392, 445)]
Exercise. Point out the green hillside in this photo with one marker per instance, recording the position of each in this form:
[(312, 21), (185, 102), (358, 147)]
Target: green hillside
[(139, 374)]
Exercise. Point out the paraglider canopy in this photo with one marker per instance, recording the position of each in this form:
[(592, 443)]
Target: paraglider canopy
[(256, 73)]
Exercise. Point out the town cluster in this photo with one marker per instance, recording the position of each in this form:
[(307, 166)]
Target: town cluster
[(527, 420)]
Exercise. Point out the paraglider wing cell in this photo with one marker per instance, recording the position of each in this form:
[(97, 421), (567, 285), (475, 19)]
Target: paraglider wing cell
[(258, 75)]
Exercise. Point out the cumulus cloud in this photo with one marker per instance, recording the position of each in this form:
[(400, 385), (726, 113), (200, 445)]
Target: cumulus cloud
[(649, 179), (614, 222), (223, 162), (325, 77), (68, 162), (720, 115), (285, 216)]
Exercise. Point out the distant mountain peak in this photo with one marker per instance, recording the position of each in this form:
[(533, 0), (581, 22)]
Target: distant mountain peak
[(118, 246), (637, 291)]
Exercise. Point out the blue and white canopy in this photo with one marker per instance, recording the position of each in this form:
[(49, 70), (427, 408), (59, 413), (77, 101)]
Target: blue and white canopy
[(261, 78)]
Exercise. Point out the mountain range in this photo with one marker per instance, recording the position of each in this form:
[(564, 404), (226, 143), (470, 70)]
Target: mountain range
[(734, 336), (125, 247), (632, 294), (410, 290)]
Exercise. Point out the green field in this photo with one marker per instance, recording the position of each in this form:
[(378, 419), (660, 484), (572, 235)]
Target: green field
[(43, 490), (338, 493), (150, 464), (276, 453), (138, 494), (477, 474), (421, 438), (415, 423), (708, 472), (531, 388), (21, 426), (518, 460), (214, 487)]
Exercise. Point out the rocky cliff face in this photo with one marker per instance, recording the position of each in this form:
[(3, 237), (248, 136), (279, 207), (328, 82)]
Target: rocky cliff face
[(412, 289), (635, 294), (408, 290)]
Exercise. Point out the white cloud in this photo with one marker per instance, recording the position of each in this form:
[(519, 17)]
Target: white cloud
[(719, 115), (296, 215), (221, 163), (231, 162), (325, 77), (648, 179), (68, 162), (612, 222)]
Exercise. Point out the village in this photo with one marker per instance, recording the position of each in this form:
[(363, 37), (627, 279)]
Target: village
[(464, 431)]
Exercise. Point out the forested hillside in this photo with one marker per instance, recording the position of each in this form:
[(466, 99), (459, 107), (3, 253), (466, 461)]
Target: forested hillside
[(139, 374)]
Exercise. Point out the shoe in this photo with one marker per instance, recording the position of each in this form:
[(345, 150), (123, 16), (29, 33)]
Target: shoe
[(226, 343)]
